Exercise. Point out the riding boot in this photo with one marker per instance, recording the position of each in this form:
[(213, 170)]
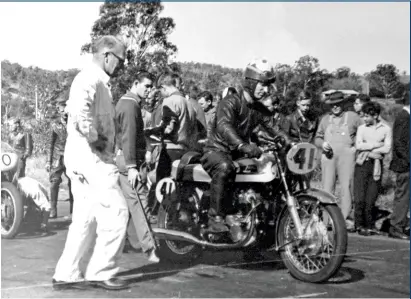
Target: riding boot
[(45, 220), (54, 192)]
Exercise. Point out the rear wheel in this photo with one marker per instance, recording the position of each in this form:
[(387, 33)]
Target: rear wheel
[(12, 209), (320, 255), (178, 216)]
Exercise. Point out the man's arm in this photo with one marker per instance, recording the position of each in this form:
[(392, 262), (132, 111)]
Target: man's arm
[(225, 115), (319, 136), (387, 144), (360, 142), (126, 119), (82, 96), (52, 142)]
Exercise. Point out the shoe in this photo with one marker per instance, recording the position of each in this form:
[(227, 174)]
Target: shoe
[(64, 285), (53, 214), (407, 231), (216, 225), (111, 284), (152, 256), (394, 233), (375, 231)]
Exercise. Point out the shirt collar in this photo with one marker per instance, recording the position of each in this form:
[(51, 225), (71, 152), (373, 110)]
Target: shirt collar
[(407, 108), (133, 96), (100, 73)]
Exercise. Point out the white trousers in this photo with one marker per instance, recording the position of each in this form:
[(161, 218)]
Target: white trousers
[(101, 215)]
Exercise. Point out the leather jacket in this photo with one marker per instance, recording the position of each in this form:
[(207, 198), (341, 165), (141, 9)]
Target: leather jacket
[(22, 142), (235, 121), (300, 128), (57, 141)]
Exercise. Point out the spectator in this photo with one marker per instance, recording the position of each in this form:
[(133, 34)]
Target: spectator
[(55, 164), (336, 136), (130, 157), (198, 113), (229, 91), (34, 192), (272, 104), (360, 100), (205, 99), (100, 215), (302, 124), (22, 142), (401, 165), (373, 141)]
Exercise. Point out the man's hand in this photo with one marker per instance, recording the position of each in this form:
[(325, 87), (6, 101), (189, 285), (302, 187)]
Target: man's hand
[(251, 150), (133, 177), (326, 146), (48, 167), (147, 157)]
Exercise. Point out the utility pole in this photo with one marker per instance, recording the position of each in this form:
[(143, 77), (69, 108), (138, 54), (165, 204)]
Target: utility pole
[(35, 92)]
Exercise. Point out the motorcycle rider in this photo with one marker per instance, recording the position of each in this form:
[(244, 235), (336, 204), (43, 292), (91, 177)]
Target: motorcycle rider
[(236, 117), (55, 163), (21, 142)]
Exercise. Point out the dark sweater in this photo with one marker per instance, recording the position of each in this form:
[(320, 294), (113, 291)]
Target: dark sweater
[(401, 143)]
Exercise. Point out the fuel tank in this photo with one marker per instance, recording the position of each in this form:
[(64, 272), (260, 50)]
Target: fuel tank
[(248, 170)]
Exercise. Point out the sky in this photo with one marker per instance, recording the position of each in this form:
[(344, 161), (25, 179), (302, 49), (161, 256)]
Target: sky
[(357, 35)]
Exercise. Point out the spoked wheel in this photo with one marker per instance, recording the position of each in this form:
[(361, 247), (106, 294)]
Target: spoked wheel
[(12, 209), (320, 254), (181, 217)]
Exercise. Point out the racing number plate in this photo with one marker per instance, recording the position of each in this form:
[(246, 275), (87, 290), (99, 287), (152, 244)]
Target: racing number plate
[(302, 158)]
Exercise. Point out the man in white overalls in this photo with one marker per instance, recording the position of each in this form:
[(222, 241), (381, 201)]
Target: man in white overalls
[(336, 136)]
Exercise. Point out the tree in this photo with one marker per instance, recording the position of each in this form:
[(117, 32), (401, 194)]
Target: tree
[(284, 77), (144, 32), (342, 72), (385, 79)]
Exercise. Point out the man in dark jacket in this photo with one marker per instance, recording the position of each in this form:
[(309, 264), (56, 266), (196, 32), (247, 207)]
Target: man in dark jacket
[(55, 163), (301, 125), (131, 149), (401, 165), (21, 142), (230, 135)]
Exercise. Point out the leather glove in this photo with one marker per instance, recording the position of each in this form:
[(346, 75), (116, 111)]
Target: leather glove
[(251, 150)]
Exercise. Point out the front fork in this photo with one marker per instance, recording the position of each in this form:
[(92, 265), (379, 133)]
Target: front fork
[(291, 201)]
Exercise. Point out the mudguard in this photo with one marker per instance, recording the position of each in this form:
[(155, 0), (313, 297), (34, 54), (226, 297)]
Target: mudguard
[(322, 195)]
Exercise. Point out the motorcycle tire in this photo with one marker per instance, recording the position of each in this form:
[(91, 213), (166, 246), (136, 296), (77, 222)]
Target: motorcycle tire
[(18, 204), (168, 249), (339, 248)]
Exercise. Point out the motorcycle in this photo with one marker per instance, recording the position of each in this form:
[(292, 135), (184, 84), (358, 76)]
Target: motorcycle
[(12, 205), (276, 210)]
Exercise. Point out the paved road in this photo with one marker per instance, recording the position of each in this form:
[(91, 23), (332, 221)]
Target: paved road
[(374, 267)]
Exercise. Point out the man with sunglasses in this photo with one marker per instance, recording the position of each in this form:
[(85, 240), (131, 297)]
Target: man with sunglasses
[(100, 214), (230, 138), (336, 136)]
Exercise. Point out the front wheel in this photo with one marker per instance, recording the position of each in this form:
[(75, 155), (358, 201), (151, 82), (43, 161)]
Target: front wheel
[(12, 209), (320, 254)]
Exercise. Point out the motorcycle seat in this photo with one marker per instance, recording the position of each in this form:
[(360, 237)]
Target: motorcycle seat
[(188, 158)]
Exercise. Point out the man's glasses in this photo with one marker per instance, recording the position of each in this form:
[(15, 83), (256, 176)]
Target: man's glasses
[(121, 60)]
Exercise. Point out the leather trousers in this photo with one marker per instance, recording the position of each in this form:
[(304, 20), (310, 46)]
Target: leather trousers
[(221, 169)]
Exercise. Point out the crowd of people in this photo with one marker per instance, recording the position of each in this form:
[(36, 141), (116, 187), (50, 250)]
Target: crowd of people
[(102, 149)]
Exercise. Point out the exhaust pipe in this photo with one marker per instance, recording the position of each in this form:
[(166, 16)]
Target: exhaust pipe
[(174, 235)]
